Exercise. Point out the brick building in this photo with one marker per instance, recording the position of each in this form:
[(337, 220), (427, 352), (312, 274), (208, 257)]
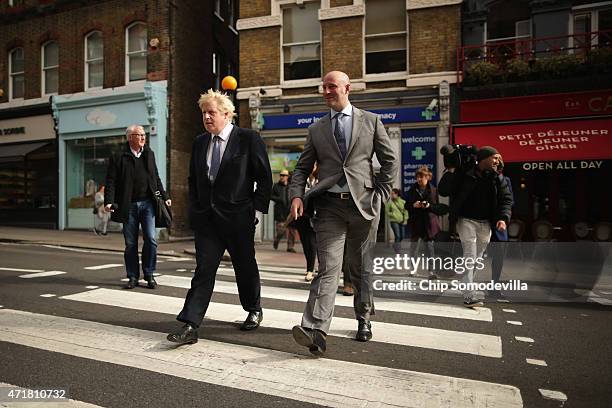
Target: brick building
[(535, 81), (74, 74), (399, 54)]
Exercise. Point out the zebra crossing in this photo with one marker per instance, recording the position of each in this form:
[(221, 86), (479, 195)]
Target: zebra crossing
[(293, 375)]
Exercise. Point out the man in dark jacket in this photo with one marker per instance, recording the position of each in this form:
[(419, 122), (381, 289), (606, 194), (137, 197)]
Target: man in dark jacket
[(132, 180), (280, 196), (480, 200), (227, 162)]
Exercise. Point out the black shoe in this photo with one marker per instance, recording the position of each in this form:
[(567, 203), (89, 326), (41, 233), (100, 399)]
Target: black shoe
[(313, 339), (132, 283), (151, 283), (291, 250), (275, 245), (473, 303), (185, 335), (252, 321), (364, 330)]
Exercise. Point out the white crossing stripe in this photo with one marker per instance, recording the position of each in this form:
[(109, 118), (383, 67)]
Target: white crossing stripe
[(105, 266), (329, 382), (68, 403), (176, 259), (524, 339), (514, 322), (601, 301), (553, 395), (274, 276), (48, 295), (298, 295), (41, 274), (405, 335), (92, 287), (21, 270), (535, 361), (509, 310)]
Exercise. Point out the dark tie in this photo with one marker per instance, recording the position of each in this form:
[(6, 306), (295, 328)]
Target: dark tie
[(341, 141), (215, 160)]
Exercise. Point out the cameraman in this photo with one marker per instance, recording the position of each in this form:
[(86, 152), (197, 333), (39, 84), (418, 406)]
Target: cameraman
[(481, 200)]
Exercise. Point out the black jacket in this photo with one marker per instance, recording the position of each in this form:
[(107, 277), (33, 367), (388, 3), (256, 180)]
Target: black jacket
[(419, 219), (461, 185), (231, 198), (280, 196), (120, 178)]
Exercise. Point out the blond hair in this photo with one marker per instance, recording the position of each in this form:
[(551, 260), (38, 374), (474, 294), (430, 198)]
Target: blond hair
[(224, 103), (423, 171)]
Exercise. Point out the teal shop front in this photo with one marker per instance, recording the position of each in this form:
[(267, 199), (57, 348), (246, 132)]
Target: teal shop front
[(91, 126)]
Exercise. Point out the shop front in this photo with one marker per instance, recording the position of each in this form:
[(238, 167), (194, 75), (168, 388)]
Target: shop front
[(413, 132), (90, 128), (560, 171), (28, 167)]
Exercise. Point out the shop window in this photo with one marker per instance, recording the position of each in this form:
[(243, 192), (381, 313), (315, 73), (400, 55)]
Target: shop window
[(301, 41), (385, 36), (16, 74), (94, 60), (50, 68), (136, 54)]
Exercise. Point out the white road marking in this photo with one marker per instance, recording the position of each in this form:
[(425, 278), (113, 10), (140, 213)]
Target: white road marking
[(553, 395), (405, 335), (181, 270), (91, 287), (68, 403), (298, 295), (605, 292), (48, 295), (86, 251), (328, 382), (509, 310), (503, 301), (514, 322), (41, 274), (175, 259), (105, 266), (524, 339), (601, 301), (536, 362), (21, 270)]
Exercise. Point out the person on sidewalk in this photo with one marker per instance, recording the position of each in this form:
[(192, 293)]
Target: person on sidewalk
[(131, 182), (424, 224), (227, 162), (101, 216), (481, 200), (347, 199), (280, 197), (307, 234), (397, 216)]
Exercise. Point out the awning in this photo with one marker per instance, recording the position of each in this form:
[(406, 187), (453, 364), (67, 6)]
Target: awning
[(20, 150), (543, 141)]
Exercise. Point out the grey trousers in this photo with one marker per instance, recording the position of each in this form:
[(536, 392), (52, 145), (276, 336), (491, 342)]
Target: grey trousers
[(335, 222), (475, 236)]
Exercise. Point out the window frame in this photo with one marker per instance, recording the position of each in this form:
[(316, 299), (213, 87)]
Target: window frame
[(44, 69), (388, 75), (12, 74), (87, 62), (304, 81), (128, 53)]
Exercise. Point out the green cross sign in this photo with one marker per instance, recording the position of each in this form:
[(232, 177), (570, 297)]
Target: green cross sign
[(418, 153), (428, 114)]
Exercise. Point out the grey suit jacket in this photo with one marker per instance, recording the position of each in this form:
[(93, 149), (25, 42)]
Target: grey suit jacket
[(369, 137)]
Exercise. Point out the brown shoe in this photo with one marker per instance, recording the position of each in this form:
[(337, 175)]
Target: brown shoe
[(348, 290), (308, 277)]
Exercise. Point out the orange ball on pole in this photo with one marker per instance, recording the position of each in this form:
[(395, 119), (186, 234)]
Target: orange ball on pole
[(229, 83)]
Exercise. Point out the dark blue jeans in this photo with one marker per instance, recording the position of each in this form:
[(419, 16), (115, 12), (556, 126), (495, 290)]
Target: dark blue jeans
[(398, 231), (141, 213)]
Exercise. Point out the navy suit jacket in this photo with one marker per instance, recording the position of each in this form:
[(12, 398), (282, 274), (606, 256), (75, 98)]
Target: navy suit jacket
[(243, 183)]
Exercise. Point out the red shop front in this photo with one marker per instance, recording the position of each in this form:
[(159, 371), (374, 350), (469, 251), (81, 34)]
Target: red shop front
[(560, 168)]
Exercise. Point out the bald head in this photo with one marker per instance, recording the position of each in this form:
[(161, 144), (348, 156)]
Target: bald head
[(336, 88)]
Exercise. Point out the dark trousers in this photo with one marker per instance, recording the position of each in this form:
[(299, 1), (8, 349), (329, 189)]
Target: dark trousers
[(210, 244), (309, 243)]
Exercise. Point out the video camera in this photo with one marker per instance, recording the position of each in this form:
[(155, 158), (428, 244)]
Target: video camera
[(460, 157)]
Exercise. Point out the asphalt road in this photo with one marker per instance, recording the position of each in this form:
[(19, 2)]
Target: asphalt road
[(43, 348)]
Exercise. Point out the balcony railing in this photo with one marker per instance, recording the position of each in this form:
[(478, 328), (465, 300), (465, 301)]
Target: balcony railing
[(530, 49)]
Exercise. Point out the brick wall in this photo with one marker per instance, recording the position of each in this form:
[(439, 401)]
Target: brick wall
[(260, 57), (435, 33), (342, 46), (254, 8)]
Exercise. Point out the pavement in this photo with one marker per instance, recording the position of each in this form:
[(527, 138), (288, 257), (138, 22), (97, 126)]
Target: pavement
[(265, 254)]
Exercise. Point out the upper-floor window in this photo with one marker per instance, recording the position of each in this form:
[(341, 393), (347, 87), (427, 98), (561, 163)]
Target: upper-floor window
[(136, 54), (385, 36), (230, 13), (50, 68), (16, 74), (301, 41), (94, 60)]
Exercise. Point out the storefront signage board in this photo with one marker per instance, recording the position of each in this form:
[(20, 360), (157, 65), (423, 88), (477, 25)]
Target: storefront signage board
[(27, 129), (563, 165), (418, 149)]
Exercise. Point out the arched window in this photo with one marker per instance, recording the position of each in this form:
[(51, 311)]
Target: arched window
[(50, 67), (16, 73), (136, 52), (94, 60)]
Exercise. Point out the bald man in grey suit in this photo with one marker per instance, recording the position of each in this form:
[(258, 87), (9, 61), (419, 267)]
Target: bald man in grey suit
[(346, 201)]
